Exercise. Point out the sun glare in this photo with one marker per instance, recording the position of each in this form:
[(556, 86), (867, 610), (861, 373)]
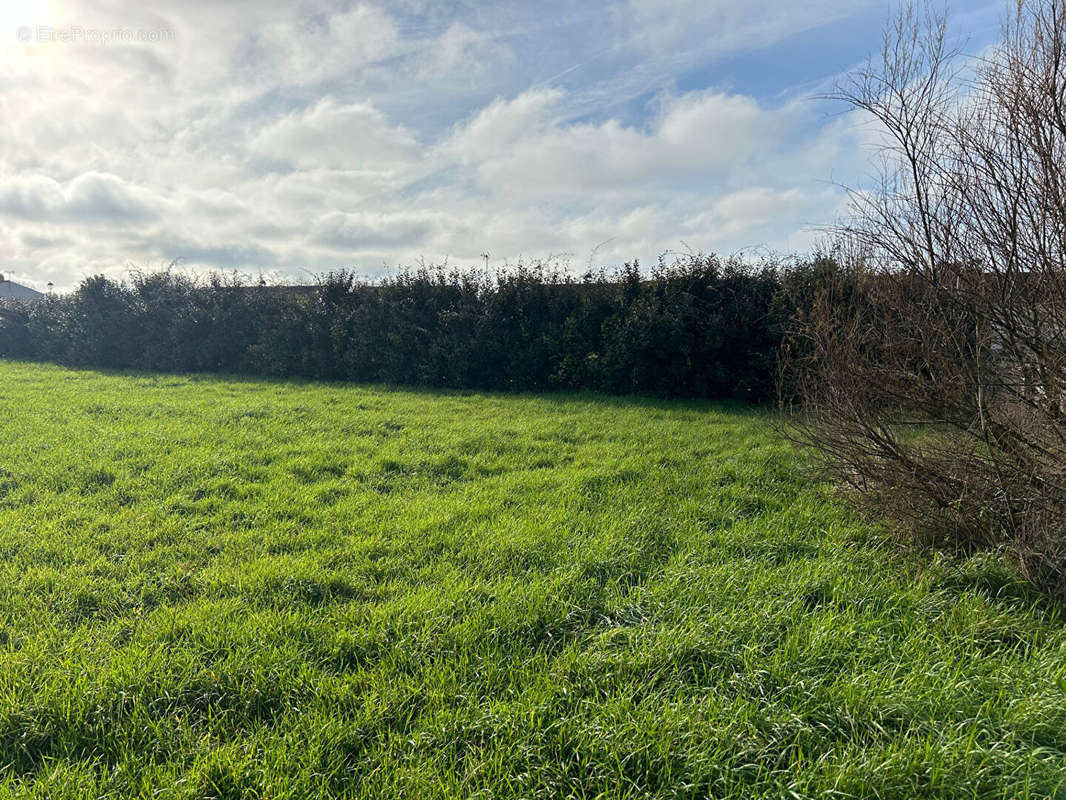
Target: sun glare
[(21, 18)]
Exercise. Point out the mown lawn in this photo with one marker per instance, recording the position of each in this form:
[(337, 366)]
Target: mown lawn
[(231, 588)]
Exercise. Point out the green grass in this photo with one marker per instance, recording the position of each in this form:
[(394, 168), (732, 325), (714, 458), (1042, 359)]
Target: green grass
[(231, 588)]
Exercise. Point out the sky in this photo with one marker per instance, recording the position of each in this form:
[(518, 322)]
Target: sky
[(293, 138)]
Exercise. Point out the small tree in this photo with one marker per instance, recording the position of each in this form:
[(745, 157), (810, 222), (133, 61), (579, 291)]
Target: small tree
[(936, 383)]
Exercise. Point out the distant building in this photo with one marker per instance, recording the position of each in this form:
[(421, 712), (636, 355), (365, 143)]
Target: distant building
[(9, 290)]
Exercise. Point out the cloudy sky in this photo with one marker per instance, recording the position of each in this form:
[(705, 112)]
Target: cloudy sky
[(295, 137)]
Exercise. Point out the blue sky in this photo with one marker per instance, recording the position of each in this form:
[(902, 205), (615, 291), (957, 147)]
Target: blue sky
[(296, 137)]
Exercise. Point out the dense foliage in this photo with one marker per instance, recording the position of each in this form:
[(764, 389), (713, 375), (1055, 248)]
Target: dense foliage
[(698, 327)]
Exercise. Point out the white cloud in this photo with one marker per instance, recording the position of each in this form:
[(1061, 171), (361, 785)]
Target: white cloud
[(317, 46), (459, 47), (356, 136), (319, 134), (371, 230), (752, 210), (503, 124), (90, 197), (518, 148)]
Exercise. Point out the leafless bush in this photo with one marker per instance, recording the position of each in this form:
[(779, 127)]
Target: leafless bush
[(932, 369)]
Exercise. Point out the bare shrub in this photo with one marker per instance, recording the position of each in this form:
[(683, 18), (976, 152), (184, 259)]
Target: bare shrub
[(932, 366)]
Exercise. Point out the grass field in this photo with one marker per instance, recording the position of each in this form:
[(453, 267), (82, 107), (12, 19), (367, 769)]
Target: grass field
[(230, 588)]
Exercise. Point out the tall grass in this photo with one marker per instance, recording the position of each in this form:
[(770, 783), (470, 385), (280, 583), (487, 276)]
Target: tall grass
[(246, 588)]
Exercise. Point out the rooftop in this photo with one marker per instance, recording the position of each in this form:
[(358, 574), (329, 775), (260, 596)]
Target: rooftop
[(16, 291)]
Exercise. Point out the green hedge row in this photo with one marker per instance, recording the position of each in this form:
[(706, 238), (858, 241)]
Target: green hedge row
[(698, 327)]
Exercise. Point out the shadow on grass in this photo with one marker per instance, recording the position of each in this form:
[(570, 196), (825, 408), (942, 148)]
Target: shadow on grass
[(601, 399)]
